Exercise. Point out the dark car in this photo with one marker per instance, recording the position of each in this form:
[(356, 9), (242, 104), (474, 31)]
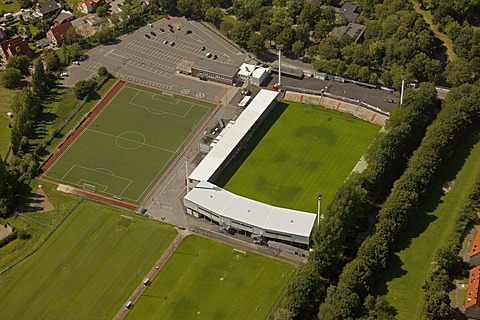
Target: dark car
[(161, 29), (165, 42), (188, 31), (203, 48), (171, 30), (147, 36), (172, 44), (215, 57), (153, 33), (169, 26)]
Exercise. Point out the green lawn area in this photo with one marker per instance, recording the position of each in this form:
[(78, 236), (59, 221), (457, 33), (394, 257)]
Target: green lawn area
[(412, 263), (208, 280), (5, 106), (88, 267), (307, 150), (140, 127), (9, 6)]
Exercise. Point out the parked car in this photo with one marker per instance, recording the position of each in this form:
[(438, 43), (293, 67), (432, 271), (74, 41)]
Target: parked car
[(64, 74), (215, 57), (150, 25), (153, 33), (161, 29), (167, 17), (208, 54), (172, 44), (188, 31), (147, 36), (165, 42), (77, 63), (203, 48)]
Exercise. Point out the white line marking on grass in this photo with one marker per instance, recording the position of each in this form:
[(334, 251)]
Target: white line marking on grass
[(119, 137)]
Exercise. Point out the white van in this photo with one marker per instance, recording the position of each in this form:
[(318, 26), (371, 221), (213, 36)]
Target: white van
[(8, 16)]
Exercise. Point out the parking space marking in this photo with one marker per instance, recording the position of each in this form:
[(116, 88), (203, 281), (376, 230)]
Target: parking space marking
[(93, 66), (140, 63), (194, 49), (154, 52), (144, 81), (217, 38)]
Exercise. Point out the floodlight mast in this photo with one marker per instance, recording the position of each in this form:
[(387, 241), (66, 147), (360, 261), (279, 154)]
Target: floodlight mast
[(319, 197), (401, 93), (279, 48)]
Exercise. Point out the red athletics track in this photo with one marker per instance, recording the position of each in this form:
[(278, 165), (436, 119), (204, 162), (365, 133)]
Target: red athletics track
[(86, 120)]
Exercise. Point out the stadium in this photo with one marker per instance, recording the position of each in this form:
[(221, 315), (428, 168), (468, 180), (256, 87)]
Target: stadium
[(263, 217)]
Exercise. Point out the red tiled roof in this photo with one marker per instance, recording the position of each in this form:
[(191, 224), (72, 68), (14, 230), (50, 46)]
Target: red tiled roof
[(476, 245), (60, 30), (472, 290), (15, 46)]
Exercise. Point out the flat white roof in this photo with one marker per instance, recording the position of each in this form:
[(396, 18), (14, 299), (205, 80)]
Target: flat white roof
[(233, 136), (246, 69), (259, 72), (251, 212)]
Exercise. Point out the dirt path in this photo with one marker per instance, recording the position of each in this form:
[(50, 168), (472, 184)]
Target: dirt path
[(446, 40), (122, 313)]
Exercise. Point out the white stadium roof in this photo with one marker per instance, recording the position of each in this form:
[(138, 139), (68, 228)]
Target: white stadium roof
[(254, 213), (233, 136)]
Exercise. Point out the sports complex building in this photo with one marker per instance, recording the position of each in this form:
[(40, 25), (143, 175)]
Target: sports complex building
[(233, 212)]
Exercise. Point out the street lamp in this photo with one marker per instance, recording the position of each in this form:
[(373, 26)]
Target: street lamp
[(319, 197), (279, 48)]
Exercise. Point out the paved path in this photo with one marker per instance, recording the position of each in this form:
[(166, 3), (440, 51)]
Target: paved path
[(122, 313)]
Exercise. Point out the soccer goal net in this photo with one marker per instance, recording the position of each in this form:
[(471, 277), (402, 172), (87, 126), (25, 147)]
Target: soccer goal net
[(166, 94), (89, 187)]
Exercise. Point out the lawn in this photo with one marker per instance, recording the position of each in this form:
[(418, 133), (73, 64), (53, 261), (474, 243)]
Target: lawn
[(9, 6), (5, 106), (307, 150), (87, 269), (130, 144), (412, 263), (208, 280)]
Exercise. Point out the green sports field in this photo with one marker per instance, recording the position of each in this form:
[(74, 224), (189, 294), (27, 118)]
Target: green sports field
[(307, 150), (130, 144), (208, 280), (87, 269)]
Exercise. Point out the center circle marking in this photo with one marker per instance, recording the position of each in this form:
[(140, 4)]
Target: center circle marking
[(130, 140)]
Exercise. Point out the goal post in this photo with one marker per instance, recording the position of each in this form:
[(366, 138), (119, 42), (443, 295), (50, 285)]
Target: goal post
[(89, 187), (235, 250), (167, 94)]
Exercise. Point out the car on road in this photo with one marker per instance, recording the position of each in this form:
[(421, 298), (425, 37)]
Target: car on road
[(161, 29), (147, 36), (77, 63), (188, 31), (153, 33), (172, 44), (165, 42)]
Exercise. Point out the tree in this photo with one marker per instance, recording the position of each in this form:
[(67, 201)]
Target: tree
[(102, 11), (51, 60), (341, 303), (167, 5), (83, 88), (214, 15), (438, 306), (19, 62), (39, 80), (226, 26), (103, 72), (310, 14), (6, 190), (458, 72), (329, 48), (298, 48), (11, 78), (256, 44), (240, 33), (188, 8), (286, 37)]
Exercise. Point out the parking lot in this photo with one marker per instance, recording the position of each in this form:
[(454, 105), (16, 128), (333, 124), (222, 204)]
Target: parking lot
[(150, 54)]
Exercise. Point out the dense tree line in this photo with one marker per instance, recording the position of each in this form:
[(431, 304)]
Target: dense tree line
[(353, 201), (459, 111)]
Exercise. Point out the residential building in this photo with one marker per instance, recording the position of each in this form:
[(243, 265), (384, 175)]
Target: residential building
[(14, 47), (475, 251), (47, 9), (353, 30), (472, 307), (64, 16), (348, 10), (89, 6), (58, 32)]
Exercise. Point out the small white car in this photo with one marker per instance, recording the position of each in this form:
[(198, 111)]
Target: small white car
[(64, 74), (208, 54), (77, 63)]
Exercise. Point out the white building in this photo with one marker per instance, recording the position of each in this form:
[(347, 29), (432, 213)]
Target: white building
[(233, 212), (252, 74)]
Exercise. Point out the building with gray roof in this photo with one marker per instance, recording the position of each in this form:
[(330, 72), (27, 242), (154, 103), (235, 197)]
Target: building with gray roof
[(208, 69)]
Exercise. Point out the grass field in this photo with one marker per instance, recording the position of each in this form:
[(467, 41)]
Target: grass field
[(88, 267), (5, 106), (412, 263), (307, 150), (130, 144), (190, 286)]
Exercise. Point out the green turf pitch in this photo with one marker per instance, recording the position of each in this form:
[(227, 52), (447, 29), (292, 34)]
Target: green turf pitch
[(130, 144), (208, 280), (307, 150), (87, 269)]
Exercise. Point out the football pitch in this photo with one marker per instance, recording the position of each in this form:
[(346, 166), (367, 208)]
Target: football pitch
[(87, 269), (209, 280), (124, 151), (307, 150)]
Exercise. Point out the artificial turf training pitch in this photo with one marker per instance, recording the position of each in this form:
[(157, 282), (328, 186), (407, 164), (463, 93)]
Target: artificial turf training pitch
[(88, 267), (208, 280), (130, 143), (306, 150)]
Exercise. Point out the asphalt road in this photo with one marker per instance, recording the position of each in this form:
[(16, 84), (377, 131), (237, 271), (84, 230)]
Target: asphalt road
[(152, 62)]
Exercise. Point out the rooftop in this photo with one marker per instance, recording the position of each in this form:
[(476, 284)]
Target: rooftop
[(261, 215), (246, 69), (60, 30), (476, 245), (48, 7), (354, 30), (233, 136), (215, 67), (472, 290), (348, 10)]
